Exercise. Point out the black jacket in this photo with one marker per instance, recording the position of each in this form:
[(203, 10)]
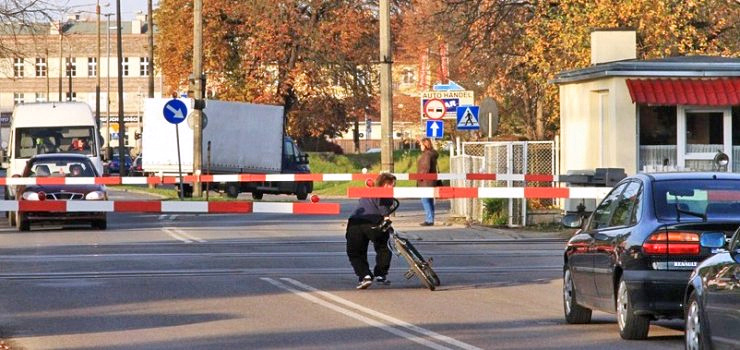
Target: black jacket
[(371, 211)]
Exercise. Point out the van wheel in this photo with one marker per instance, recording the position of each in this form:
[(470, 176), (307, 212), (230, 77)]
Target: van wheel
[(22, 223), (232, 190), (257, 195), (301, 192), (631, 326), (100, 224)]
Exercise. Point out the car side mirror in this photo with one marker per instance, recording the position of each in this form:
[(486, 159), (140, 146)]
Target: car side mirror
[(572, 221), (712, 240)]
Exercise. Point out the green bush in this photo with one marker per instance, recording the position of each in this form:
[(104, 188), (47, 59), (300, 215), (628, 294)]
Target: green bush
[(404, 161), (495, 211)]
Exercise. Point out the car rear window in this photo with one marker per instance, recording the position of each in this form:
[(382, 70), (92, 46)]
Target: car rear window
[(713, 198)]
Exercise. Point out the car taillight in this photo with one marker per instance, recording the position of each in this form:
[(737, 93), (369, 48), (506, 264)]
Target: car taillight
[(672, 243)]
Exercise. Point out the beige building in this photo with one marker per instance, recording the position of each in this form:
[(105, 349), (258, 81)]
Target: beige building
[(49, 64), (671, 114)]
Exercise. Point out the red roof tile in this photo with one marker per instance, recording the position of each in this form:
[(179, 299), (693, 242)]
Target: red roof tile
[(699, 92)]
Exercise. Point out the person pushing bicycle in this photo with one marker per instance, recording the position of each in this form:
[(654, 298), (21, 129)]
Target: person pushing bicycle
[(363, 227)]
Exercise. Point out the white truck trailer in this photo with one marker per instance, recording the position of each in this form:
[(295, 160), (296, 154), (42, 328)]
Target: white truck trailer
[(244, 137)]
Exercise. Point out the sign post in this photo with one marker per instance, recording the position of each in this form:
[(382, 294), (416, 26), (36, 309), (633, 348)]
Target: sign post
[(174, 112)]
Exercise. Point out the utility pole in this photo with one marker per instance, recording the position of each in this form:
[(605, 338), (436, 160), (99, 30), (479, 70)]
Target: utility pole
[(97, 72), (121, 125), (197, 93), (386, 89), (150, 34), (61, 53)]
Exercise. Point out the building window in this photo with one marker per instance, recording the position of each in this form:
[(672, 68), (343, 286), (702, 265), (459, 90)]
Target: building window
[(658, 136), (92, 68), (17, 98), (71, 64), (144, 67), (40, 97), (18, 67), (72, 98), (125, 66), (408, 76), (40, 66)]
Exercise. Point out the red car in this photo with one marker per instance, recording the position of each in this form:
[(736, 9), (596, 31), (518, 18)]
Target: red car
[(60, 165)]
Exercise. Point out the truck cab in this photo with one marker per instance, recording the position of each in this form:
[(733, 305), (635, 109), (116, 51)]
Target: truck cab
[(294, 161)]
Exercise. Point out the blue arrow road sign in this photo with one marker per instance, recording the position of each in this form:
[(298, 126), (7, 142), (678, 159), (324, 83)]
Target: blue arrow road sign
[(467, 118), (435, 128), (451, 86), (175, 111)]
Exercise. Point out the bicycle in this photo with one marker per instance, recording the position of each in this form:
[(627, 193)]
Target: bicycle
[(400, 246)]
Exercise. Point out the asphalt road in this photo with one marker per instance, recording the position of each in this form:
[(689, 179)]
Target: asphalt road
[(275, 281)]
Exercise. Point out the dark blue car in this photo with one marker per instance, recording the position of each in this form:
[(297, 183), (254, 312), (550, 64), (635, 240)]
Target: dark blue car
[(114, 164), (712, 298), (635, 253)]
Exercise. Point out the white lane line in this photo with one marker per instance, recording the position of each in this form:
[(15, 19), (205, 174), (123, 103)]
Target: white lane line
[(384, 317), (355, 315), (187, 235), (174, 235)]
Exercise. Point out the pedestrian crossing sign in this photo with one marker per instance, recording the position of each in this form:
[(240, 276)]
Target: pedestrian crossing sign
[(467, 118)]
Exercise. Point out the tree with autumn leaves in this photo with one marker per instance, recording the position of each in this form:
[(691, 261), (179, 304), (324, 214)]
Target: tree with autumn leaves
[(315, 58), (516, 47)]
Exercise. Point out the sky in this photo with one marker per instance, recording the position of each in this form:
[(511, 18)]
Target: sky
[(129, 8)]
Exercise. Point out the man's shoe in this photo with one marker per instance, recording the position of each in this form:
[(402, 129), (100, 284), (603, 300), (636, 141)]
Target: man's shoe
[(426, 224), (365, 283), (382, 280)]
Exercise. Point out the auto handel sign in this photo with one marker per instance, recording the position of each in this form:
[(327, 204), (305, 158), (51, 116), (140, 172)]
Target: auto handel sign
[(451, 100), (126, 119)]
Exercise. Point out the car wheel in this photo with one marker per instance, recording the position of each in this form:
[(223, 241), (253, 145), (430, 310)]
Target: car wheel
[(22, 223), (232, 190), (302, 192), (574, 313), (100, 224), (257, 195), (631, 326), (696, 331)]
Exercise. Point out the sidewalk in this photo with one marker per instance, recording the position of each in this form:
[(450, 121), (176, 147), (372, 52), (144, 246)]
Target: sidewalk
[(447, 229)]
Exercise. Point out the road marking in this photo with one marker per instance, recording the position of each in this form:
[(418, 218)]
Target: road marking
[(355, 315), (174, 235), (181, 235), (384, 317), (187, 235)]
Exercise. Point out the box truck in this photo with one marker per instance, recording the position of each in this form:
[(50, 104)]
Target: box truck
[(244, 138)]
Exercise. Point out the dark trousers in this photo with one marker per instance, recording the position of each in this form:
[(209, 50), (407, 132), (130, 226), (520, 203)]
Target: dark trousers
[(359, 237)]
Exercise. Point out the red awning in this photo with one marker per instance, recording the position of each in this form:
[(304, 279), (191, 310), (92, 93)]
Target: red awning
[(699, 92)]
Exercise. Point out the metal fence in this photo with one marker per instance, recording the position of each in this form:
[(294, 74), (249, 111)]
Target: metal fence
[(515, 157)]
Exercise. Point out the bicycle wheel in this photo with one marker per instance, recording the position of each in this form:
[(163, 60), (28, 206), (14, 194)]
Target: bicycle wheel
[(431, 274), (426, 265), (414, 265)]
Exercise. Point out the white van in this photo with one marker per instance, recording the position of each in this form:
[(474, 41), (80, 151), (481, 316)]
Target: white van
[(53, 127)]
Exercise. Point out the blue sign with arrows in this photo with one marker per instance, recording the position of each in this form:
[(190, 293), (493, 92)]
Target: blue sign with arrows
[(450, 86), (175, 111), (435, 128), (467, 118)]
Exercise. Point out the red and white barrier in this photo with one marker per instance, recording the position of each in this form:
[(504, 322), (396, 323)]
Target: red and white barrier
[(157, 180), (241, 207), (479, 192)]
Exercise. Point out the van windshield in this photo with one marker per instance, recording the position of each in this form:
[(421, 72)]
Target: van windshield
[(68, 139)]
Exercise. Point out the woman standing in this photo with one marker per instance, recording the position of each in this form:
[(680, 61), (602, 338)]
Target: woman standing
[(427, 164)]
